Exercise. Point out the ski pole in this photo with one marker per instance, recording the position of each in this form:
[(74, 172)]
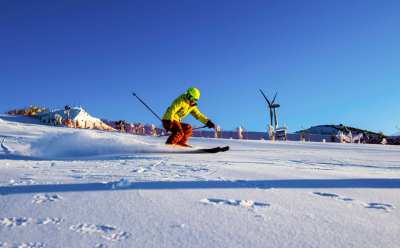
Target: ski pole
[(198, 127), (146, 106), (168, 134)]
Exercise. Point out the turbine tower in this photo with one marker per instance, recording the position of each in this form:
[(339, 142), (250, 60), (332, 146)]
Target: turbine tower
[(273, 107)]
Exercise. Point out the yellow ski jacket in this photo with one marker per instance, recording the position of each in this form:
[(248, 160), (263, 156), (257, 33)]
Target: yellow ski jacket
[(180, 108)]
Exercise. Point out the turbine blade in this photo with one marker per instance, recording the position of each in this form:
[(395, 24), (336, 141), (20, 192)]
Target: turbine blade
[(266, 98), (274, 98)]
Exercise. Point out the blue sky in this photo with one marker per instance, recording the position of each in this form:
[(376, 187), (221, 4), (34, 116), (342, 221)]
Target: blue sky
[(331, 62)]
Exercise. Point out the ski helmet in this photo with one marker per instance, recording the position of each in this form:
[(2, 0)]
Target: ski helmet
[(194, 94)]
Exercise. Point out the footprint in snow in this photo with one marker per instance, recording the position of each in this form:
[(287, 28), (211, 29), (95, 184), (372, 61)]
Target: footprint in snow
[(89, 228), (252, 206), (54, 221), (117, 236), (337, 197), (140, 170), (24, 245), (102, 229), (381, 206), (41, 198), (235, 203), (15, 222), (101, 246), (386, 207)]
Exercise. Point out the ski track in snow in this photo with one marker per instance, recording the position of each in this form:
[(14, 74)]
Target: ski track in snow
[(138, 169), (381, 206), (4, 147), (357, 164)]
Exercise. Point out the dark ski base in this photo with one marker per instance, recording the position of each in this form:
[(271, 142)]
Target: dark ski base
[(214, 150), (224, 149)]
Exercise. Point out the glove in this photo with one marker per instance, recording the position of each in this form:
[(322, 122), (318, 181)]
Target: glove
[(209, 124), (168, 125)]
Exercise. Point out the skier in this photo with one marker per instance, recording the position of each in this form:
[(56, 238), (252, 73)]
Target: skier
[(183, 105)]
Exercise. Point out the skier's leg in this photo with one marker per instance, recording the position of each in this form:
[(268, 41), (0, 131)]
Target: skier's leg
[(176, 134), (187, 129)]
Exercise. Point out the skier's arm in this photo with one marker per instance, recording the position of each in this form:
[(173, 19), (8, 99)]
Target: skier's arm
[(196, 114)]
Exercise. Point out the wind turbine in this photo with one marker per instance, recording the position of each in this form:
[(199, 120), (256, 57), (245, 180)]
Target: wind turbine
[(274, 107)]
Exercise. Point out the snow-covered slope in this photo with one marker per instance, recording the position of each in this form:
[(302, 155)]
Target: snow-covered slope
[(324, 130), (335, 129), (396, 134), (62, 187)]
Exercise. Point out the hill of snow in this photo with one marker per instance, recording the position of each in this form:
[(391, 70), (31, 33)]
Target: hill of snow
[(65, 187), (335, 129), (75, 114), (396, 134)]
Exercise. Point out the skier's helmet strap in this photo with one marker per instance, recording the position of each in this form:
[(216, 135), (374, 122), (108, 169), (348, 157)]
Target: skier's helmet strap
[(194, 94)]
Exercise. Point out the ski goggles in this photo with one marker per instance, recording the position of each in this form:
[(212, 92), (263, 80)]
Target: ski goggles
[(193, 99)]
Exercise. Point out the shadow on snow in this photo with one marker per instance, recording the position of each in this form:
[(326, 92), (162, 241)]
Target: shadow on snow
[(372, 183)]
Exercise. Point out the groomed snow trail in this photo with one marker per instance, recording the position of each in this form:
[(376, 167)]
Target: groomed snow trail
[(62, 187)]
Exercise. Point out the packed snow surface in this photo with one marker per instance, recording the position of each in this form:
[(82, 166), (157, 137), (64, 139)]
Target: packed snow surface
[(63, 187)]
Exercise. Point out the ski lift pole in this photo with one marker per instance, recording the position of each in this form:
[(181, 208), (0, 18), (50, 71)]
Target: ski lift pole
[(307, 132), (247, 133), (134, 94)]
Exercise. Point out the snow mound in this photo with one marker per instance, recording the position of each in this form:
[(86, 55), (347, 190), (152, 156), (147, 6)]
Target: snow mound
[(323, 130), (75, 114), (121, 184), (84, 143), (335, 129), (396, 134)]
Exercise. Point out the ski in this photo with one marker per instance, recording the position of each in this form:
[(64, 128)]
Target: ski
[(214, 150), (224, 149), (207, 150), (210, 150)]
